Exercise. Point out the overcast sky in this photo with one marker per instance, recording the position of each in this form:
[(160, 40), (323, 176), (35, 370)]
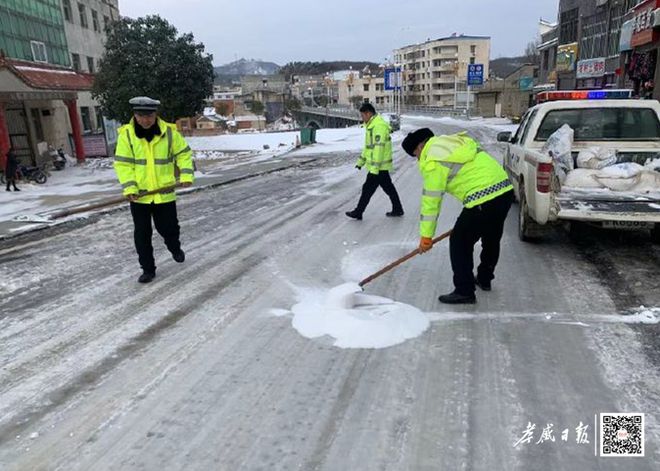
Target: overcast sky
[(315, 30)]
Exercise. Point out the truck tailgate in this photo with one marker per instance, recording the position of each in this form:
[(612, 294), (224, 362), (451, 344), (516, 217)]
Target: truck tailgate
[(608, 207)]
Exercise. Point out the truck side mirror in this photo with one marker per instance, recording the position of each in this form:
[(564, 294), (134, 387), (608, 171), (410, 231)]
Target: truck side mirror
[(504, 137)]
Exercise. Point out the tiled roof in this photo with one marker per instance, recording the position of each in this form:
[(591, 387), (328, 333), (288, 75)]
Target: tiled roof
[(48, 77)]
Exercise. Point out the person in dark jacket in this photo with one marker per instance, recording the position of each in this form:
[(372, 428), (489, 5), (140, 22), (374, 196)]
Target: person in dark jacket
[(11, 168)]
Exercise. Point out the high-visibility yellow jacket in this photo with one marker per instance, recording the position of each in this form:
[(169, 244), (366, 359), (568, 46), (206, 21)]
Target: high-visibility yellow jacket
[(146, 166), (377, 152), (457, 165)]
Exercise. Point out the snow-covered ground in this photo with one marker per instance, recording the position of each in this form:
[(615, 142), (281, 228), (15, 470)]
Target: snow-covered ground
[(78, 185), (244, 357)]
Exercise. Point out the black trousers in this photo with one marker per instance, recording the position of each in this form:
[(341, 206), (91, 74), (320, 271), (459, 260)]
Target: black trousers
[(167, 225), (485, 222), (371, 185)]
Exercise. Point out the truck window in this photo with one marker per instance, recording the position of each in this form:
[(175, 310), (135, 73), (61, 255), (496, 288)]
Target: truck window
[(528, 126), (519, 131), (603, 124)]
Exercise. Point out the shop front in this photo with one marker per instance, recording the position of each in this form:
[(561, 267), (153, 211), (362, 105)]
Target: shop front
[(642, 64)]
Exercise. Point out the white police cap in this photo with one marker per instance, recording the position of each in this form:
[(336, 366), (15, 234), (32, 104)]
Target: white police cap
[(144, 103)]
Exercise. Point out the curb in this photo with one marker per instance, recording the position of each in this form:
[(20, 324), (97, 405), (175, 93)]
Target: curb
[(86, 219)]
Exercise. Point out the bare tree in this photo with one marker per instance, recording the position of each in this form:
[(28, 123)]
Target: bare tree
[(532, 52)]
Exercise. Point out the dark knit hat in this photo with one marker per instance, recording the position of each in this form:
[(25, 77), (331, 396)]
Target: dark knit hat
[(414, 139)]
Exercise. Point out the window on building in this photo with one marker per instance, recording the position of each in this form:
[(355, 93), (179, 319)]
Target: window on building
[(99, 118), (38, 51), (66, 4), (568, 30), (366, 87), (473, 60), (83, 16), (473, 49), (86, 118), (90, 65), (75, 59), (95, 21)]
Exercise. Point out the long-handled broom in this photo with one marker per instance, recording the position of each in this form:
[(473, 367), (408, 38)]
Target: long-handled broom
[(398, 262), (83, 209)]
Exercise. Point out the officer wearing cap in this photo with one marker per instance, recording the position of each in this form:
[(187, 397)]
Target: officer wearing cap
[(150, 154), (456, 164), (376, 157)]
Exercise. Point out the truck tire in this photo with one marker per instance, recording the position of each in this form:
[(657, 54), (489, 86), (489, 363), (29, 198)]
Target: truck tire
[(655, 234), (528, 230)]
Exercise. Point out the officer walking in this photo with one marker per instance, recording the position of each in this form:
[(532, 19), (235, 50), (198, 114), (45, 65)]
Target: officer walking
[(456, 164), (149, 153), (377, 158)]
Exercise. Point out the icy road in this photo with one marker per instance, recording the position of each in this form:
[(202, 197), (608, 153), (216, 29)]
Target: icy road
[(204, 369)]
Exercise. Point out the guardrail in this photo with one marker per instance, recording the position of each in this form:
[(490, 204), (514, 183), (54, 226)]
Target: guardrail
[(348, 112)]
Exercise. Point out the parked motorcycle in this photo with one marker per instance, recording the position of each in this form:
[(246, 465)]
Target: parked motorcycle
[(34, 174)]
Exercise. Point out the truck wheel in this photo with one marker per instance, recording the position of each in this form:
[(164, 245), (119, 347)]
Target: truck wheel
[(528, 230), (655, 234)]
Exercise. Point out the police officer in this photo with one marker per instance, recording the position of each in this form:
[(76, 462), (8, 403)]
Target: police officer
[(456, 164), (149, 155), (377, 158)]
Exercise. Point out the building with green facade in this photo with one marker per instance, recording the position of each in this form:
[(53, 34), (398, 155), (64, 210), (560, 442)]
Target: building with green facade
[(33, 30)]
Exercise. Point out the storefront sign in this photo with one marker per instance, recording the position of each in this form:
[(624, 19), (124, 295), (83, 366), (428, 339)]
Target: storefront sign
[(566, 57), (589, 68), (643, 32), (625, 41), (526, 83)]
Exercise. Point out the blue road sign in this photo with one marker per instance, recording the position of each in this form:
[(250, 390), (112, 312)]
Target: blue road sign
[(475, 74), (393, 78)]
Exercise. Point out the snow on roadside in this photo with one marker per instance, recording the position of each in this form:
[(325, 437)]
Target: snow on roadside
[(498, 124)]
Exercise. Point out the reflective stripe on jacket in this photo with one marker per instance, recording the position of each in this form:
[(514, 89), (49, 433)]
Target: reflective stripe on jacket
[(146, 166), (457, 165)]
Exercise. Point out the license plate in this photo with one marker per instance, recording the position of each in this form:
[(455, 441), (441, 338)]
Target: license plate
[(627, 225)]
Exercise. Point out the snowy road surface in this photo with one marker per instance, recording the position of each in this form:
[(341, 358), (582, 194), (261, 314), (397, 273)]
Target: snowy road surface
[(203, 370)]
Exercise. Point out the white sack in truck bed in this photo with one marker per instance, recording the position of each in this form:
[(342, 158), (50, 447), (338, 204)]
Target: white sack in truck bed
[(620, 177), (596, 158), (559, 147)]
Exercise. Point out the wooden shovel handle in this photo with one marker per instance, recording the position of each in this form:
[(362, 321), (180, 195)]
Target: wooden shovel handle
[(108, 202), (398, 262)]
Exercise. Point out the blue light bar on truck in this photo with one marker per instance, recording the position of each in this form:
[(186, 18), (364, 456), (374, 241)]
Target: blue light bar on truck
[(584, 95)]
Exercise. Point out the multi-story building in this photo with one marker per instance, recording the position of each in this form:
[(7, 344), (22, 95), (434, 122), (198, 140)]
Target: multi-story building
[(38, 89), (84, 25), (435, 72), (549, 38), (366, 89), (588, 52)]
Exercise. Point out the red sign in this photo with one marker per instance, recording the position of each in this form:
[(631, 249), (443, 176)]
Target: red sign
[(643, 32), (94, 145)]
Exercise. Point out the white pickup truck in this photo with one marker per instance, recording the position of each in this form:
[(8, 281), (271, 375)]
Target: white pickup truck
[(629, 127)]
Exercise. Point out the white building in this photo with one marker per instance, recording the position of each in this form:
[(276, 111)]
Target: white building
[(435, 72), (84, 25)]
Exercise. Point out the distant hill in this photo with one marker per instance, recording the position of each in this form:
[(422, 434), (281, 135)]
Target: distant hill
[(322, 68), (503, 66), (248, 67)]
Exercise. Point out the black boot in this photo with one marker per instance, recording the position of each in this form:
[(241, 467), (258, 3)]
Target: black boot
[(394, 213), (16, 188), (484, 285), (179, 257), (147, 277), (354, 214), (457, 298)]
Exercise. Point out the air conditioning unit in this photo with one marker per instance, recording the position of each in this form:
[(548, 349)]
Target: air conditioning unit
[(655, 18)]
